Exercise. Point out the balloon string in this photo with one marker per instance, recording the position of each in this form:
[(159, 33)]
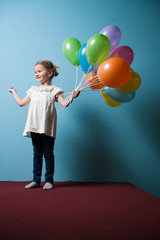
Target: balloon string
[(82, 86), (85, 85), (83, 90), (88, 86), (83, 78), (66, 93), (69, 93), (95, 81), (68, 101), (76, 77), (81, 81), (92, 79)]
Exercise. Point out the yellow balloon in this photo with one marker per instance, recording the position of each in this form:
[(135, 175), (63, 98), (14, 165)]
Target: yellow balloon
[(109, 100), (133, 83)]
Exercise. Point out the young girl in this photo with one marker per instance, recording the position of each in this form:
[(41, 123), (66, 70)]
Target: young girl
[(42, 120)]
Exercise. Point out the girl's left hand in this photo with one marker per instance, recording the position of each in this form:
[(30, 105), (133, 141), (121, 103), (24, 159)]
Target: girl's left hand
[(76, 93)]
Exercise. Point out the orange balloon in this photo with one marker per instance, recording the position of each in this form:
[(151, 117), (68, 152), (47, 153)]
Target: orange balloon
[(114, 72), (93, 81)]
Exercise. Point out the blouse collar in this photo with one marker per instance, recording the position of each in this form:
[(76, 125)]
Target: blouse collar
[(42, 88)]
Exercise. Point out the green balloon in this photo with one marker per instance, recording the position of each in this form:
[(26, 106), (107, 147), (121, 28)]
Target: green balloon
[(70, 49), (97, 49)]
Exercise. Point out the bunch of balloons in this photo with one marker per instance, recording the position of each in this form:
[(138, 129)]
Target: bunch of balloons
[(106, 66)]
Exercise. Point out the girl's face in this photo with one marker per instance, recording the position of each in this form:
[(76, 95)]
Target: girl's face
[(42, 75)]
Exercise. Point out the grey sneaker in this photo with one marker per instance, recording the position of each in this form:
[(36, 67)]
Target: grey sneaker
[(48, 186), (32, 185)]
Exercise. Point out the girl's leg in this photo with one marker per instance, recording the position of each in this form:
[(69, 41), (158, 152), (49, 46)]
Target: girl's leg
[(37, 156), (48, 147)]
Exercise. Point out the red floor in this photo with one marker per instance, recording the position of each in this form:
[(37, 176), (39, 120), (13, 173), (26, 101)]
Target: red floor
[(72, 210)]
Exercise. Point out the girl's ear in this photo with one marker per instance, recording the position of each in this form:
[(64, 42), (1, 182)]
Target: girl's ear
[(50, 73)]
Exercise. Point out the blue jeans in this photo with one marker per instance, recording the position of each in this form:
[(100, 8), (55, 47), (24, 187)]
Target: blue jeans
[(42, 146)]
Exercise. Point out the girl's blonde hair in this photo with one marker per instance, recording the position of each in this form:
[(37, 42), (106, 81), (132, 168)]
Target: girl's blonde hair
[(49, 66)]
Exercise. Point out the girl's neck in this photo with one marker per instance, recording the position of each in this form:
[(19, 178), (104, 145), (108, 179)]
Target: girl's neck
[(46, 84)]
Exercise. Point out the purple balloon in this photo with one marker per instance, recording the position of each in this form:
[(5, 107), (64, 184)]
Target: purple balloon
[(124, 52), (96, 68), (114, 35)]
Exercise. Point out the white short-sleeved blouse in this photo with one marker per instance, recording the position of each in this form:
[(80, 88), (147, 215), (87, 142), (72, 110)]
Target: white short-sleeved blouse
[(42, 115)]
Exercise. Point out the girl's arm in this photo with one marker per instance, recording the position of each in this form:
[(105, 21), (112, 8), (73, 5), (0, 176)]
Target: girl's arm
[(21, 102), (63, 101)]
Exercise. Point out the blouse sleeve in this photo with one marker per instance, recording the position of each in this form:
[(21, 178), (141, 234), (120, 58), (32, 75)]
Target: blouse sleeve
[(57, 91), (29, 93)]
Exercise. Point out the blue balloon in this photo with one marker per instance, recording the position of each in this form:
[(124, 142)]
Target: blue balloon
[(83, 59), (119, 96)]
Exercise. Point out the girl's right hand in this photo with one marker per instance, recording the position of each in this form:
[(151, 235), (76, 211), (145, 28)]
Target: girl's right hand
[(11, 89)]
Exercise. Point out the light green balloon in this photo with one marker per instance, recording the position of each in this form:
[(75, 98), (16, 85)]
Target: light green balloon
[(97, 49), (70, 49)]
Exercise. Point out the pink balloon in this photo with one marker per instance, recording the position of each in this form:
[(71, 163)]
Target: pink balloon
[(114, 35), (124, 52)]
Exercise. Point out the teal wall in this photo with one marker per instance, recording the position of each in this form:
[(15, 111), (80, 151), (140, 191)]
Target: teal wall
[(94, 141)]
